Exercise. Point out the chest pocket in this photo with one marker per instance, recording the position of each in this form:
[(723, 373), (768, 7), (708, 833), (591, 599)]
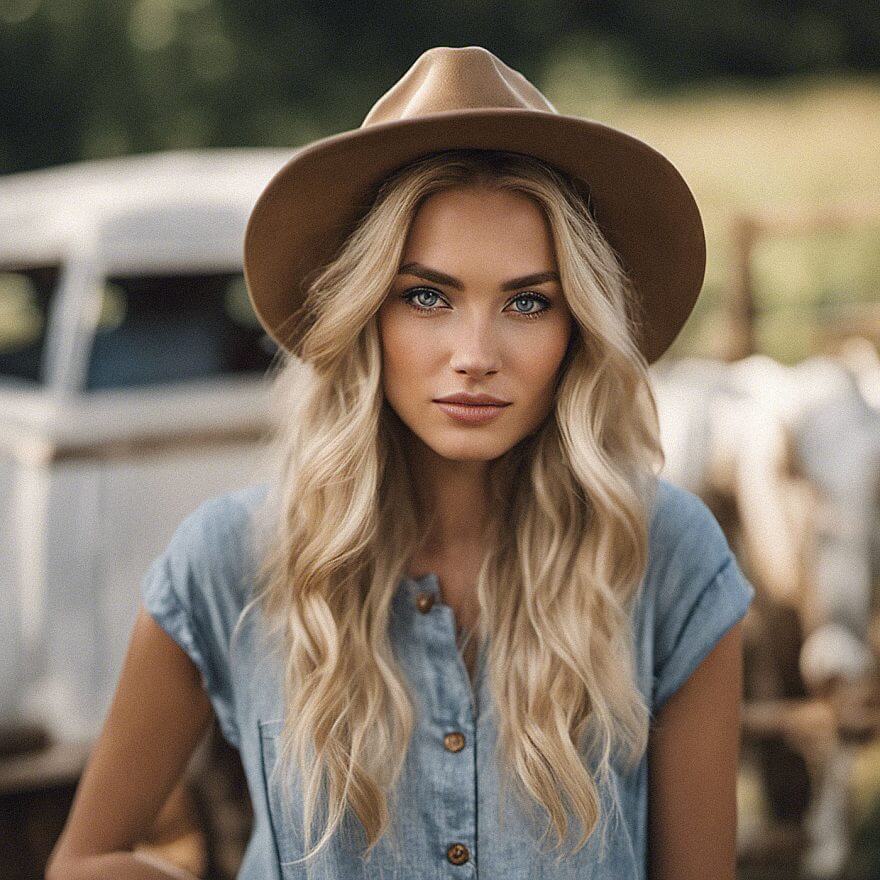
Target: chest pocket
[(285, 816)]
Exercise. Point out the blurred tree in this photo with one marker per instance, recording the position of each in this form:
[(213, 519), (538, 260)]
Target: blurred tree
[(94, 78)]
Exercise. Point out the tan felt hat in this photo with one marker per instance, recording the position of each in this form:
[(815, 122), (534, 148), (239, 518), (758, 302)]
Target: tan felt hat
[(454, 98)]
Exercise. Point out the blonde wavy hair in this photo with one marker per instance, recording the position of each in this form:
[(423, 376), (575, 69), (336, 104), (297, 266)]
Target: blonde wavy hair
[(568, 529)]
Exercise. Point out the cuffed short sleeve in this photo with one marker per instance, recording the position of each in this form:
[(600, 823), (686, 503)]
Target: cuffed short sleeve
[(701, 591), (694, 629), (195, 590)]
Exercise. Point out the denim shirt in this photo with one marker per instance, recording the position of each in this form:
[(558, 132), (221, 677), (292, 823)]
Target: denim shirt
[(447, 818)]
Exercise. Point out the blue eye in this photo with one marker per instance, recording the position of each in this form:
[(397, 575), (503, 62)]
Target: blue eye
[(416, 297), (423, 306), (533, 297)]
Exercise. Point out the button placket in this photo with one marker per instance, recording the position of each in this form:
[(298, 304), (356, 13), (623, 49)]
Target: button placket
[(456, 780)]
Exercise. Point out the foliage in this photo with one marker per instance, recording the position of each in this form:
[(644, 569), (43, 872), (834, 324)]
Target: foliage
[(91, 78)]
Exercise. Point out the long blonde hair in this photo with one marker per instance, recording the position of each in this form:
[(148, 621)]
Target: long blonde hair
[(568, 526)]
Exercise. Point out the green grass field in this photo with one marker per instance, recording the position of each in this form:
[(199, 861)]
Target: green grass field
[(809, 143)]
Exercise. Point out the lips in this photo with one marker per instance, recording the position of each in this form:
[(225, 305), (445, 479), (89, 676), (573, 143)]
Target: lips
[(471, 413), (467, 399)]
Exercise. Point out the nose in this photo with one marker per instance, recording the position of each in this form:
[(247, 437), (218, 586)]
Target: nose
[(475, 351)]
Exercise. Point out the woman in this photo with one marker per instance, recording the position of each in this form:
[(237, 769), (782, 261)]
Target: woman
[(440, 603)]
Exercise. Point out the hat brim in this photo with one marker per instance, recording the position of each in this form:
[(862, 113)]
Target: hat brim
[(642, 204)]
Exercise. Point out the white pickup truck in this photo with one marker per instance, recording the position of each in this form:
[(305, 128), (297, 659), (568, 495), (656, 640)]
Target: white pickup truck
[(132, 386)]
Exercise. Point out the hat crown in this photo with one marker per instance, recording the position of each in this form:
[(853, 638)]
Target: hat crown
[(447, 79)]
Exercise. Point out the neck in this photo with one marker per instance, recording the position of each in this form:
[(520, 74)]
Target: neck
[(454, 495)]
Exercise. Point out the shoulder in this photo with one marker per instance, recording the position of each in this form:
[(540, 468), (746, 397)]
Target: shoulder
[(225, 515), (219, 533), (681, 523), (206, 564), (687, 546)]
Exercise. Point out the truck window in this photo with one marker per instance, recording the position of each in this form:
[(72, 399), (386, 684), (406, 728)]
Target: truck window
[(25, 296), (156, 329)]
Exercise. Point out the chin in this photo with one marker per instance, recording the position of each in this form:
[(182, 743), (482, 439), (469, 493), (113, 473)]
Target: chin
[(475, 449)]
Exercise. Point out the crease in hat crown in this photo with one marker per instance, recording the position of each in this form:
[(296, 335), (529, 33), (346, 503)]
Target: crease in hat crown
[(447, 79)]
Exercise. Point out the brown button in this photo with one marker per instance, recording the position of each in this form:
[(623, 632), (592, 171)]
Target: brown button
[(425, 601), (454, 741), (458, 854)]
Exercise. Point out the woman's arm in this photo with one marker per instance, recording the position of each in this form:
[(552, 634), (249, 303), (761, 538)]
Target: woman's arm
[(130, 866), (693, 755), (157, 717)]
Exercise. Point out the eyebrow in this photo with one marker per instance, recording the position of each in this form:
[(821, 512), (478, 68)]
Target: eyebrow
[(427, 274)]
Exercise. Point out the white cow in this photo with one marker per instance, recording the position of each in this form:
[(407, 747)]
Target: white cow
[(798, 450)]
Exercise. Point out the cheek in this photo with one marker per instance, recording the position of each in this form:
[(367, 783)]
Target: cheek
[(406, 355), (399, 345), (538, 363)]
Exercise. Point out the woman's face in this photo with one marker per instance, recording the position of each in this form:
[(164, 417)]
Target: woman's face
[(476, 307)]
